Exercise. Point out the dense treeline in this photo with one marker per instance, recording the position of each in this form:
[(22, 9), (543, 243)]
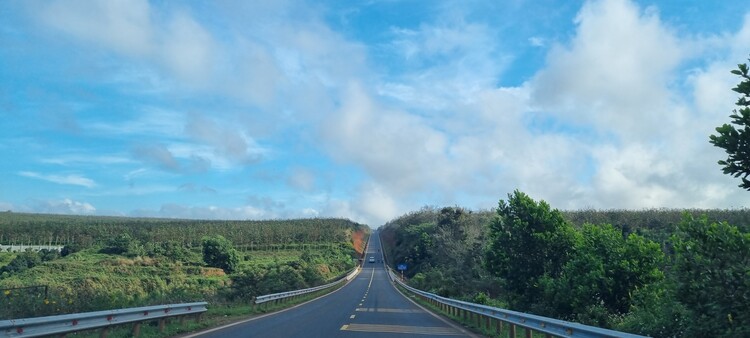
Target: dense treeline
[(20, 228), (110, 262), (656, 224), (656, 272)]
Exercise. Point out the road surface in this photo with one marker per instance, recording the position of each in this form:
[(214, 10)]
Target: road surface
[(369, 306)]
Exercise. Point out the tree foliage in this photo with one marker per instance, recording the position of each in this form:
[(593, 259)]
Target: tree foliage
[(735, 138), (219, 253), (602, 274), (24, 261), (712, 273), (91, 231), (657, 272), (528, 240)]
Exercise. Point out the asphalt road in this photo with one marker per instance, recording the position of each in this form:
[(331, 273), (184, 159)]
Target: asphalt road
[(369, 306)]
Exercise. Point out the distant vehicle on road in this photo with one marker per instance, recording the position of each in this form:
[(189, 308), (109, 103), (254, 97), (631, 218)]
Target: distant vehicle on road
[(372, 259)]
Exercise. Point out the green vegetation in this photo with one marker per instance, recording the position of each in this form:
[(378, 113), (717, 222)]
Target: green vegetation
[(663, 273), (219, 253), (736, 141), (137, 262), (529, 242)]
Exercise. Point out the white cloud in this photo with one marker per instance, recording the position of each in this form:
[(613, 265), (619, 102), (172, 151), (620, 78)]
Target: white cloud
[(71, 160), (125, 26), (615, 75), (150, 121), (610, 121), (301, 179), (71, 179), (228, 141), (187, 49), (621, 76), (64, 206), (397, 149), (5, 206), (134, 28), (246, 212), (158, 155), (444, 63), (204, 212), (376, 204), (537, 41)]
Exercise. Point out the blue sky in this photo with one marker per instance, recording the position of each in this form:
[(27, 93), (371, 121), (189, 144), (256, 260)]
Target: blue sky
[(364, 110)]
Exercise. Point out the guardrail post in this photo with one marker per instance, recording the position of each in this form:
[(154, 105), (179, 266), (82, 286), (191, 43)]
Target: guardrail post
[(137, 329), (162, 323), (512, 331), (499, 326), (104, 332), (487, 323), (528, 332)]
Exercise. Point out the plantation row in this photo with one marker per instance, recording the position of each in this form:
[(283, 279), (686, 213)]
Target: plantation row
[(86, 231), (662, 273)]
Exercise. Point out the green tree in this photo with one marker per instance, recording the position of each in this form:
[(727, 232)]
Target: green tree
[(712, 272), (245, 283), (219, 253), (527, 241), (736, 140), (69, 249), (124, 244), (602, 274), (24, 261)]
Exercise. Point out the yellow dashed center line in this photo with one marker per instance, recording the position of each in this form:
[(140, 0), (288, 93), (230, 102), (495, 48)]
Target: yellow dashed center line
[(425, 330)]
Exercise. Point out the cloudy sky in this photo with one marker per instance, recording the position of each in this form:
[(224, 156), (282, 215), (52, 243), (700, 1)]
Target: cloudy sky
[(364, 109)]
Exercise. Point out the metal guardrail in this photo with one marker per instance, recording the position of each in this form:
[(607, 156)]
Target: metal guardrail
[(287, 294), (62, 324), (549, 326)]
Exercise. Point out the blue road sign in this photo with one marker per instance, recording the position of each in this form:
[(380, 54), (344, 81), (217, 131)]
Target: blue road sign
[(401, 267)]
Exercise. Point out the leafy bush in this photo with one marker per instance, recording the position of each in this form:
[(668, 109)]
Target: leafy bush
[(219, 253), (24, 261), (712, 274)]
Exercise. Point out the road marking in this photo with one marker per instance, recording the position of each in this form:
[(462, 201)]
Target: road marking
[(371, 276), (425, 330), (370, 309), (352, 316)]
